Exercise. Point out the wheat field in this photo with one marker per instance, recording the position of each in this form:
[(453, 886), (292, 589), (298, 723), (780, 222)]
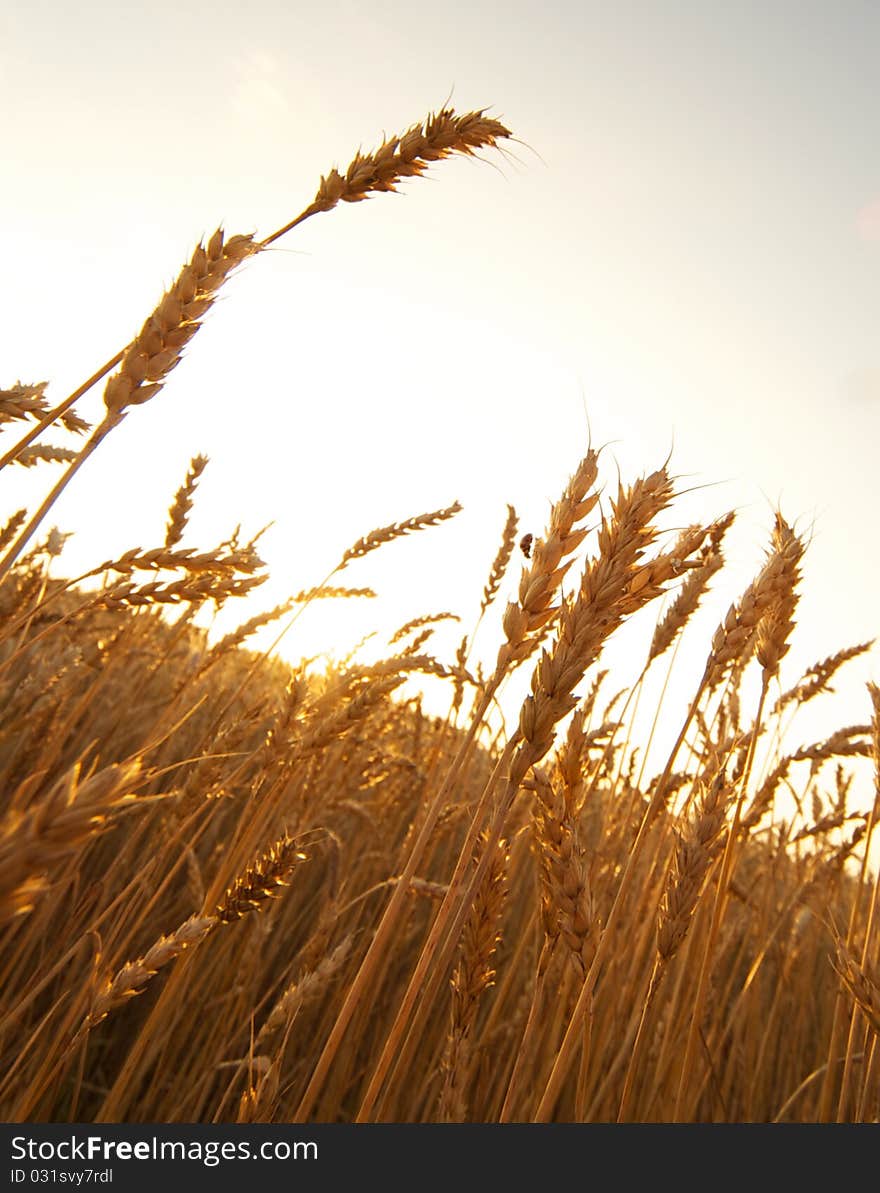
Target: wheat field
[(237, 889)]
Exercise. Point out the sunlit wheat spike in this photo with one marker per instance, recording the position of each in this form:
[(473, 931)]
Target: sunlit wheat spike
[(501, 560), (861, 984), (179, 512), (13, 524), (840, 744), (770, 594), (324, 729), (688, 597), (239, 635), (439, 136), (473, 975), (549, 562), (210, 586), (606, 596), (331, 592), (568, 909), (775, 627), (134, 975), (21, 402), (262, 880), (387, 534), (308, 986), (157, 348), (44, 454), (696, 848), (417, 623), (219, 562), (817, 679)]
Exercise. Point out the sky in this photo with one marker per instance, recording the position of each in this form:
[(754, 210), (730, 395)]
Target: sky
[(679, 253)]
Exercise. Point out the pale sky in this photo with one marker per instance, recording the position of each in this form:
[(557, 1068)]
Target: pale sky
[(682, 252)]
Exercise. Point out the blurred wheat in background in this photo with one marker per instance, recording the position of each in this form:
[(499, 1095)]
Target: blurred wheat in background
[(238, 889)]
